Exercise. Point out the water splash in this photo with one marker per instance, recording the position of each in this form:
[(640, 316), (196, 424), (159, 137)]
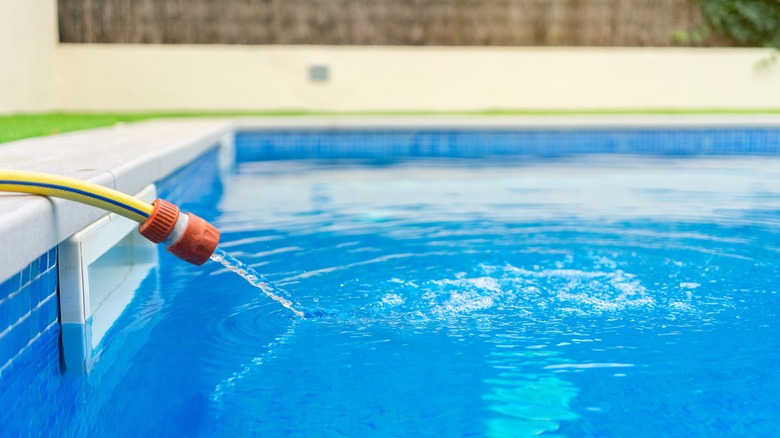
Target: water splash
[(255, 279)]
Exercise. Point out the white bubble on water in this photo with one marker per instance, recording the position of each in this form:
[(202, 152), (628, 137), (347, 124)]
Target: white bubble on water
[(392, 300)]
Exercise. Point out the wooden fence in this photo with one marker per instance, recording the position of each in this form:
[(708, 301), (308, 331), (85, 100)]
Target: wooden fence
[(383, 22)]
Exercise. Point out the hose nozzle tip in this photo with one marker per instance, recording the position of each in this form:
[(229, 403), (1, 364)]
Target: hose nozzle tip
[(197, 243)]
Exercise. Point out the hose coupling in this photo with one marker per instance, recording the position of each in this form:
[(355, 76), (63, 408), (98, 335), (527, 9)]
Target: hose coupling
[(186, 236)]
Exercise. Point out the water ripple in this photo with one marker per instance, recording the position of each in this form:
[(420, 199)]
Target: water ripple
[(515, 302)]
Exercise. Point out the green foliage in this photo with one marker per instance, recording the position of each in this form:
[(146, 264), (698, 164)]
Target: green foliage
[(19, 126), (693, 37), (754, 23)]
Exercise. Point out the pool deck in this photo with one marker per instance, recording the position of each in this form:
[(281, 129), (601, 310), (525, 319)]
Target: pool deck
[(123, 157), (127, 157)]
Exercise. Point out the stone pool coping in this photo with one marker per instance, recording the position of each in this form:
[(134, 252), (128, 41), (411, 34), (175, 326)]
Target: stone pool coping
[(127, 157)]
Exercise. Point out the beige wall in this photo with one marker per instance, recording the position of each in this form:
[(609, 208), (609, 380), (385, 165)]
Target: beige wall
[(38, 74), (28, 55), (143, 77)]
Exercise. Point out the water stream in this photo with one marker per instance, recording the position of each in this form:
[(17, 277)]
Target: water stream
[(256, 280)]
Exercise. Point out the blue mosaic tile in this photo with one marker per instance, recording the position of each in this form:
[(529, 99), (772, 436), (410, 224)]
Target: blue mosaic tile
[(15, 307), (43, 262), (193, 180), (475, 143), (13, 341), (7, 350), (31, 383), (29, 347), (26, 275), (9, 292), (9, 286), (35, 268), (51, 311), (46, 286), (37, 291)]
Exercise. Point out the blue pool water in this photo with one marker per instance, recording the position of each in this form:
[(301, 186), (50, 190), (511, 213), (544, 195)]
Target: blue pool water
[(587, 296)]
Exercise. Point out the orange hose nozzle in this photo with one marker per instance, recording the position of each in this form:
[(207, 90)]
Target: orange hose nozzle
[(188, 237), (198, 242)]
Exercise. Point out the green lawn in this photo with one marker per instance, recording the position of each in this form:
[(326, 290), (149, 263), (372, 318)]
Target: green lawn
[(17, 127)]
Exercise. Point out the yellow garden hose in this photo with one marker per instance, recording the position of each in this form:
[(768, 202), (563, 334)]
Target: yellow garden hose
[(45, 184), (186, 236)]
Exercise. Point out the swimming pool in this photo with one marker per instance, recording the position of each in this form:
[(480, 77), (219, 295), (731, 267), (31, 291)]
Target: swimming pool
[(598, 295)]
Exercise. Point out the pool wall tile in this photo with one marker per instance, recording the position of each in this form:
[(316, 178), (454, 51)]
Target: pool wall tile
[(29, 346), (474, 143), (190, 183)]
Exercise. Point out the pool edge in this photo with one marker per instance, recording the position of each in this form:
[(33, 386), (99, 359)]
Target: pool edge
[(32, 225)]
